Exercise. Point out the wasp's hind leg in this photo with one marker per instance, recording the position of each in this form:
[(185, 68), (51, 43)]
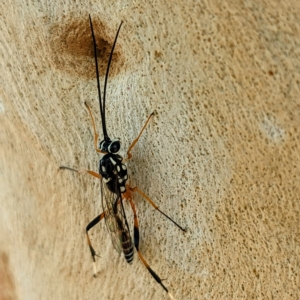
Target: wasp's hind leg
[(135, 189), (129, 155), (136, 244), (88, 227), (95, 221)]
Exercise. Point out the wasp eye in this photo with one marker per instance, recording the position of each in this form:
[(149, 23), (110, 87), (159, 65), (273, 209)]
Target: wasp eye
[(114, 147), (104, 145), (101, 145)]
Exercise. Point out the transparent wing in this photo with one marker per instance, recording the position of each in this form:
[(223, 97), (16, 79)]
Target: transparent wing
[(115, 218)]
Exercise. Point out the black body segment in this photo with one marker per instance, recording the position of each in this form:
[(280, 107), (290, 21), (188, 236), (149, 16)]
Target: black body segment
[(111, 168), (127, 246)]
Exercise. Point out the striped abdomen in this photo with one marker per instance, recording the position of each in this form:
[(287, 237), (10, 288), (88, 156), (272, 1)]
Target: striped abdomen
[(127, 246)]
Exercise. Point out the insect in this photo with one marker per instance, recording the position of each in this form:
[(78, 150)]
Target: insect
[(113, 178)]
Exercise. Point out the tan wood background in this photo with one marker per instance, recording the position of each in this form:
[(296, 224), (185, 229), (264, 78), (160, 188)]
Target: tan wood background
[(220, 156)]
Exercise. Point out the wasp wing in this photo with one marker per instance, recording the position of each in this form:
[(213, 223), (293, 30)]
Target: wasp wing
[(115, 217)]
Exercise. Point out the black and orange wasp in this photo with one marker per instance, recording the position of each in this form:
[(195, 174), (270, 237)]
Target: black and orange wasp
[(113, 177)]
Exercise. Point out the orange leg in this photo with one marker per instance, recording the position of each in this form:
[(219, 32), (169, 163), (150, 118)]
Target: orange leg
[(81, 171), (94, 128), (135, 189), (129, 155)]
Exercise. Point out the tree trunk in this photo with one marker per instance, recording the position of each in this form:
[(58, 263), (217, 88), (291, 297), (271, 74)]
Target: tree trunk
[(220, 155)]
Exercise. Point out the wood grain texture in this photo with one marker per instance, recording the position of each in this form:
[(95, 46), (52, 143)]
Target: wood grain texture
[(220, 156)]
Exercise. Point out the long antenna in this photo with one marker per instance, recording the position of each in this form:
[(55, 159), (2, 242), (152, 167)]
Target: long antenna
[(107, 70), (102, 105), (98, 81)]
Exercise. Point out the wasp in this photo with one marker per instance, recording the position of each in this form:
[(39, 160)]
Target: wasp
[(113, 176)]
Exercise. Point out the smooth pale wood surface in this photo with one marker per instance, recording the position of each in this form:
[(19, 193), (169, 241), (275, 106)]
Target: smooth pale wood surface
[(220, 156)]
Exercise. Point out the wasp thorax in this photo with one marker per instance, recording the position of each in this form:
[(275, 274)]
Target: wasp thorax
[(110, 146)]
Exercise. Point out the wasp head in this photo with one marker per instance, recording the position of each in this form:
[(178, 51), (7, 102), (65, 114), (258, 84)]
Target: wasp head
[(109, 146)]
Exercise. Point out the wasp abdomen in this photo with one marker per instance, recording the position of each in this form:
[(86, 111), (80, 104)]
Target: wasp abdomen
[(127, 246)]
